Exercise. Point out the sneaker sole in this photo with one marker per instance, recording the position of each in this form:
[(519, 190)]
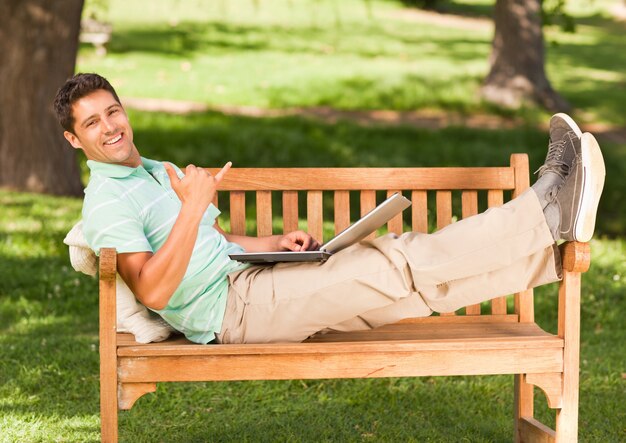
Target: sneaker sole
[(571, 123), (593, 182)]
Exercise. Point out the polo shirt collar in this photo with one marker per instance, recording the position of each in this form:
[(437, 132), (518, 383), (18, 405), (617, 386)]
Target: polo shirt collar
[(114, 170), (152, 165)]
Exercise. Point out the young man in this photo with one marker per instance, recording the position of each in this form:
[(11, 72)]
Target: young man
[(174, 257)]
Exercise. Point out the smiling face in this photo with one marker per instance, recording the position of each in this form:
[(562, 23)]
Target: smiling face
[(102, 130)]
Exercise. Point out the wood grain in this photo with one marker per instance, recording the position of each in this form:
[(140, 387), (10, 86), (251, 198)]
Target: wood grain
[(238, 213), (367, 203), (469, 207), (419, 211), (315, 215), (444, 218), (108, 345), (395, 225), (290, 211), (264, 213), (342, 210), (342, 179)]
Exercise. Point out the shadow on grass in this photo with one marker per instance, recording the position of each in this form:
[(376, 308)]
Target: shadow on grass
[(603, 90), (329, 410), (450, 7), (191, 38)]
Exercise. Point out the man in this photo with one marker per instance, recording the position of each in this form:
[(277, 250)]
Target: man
[(174, 256)]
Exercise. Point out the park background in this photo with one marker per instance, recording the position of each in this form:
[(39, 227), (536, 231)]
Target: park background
[(314, 83)]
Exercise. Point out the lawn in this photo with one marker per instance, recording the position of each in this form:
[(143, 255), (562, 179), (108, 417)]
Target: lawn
[(284, 53), (353, 54)]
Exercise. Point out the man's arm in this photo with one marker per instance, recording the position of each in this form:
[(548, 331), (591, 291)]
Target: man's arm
[(293, 241), (153, 278)]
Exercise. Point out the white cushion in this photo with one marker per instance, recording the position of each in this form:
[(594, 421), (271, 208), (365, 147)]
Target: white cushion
[(132, 316)]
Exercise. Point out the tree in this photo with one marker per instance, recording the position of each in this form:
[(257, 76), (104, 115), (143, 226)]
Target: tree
[(38, 46), (517, 59)]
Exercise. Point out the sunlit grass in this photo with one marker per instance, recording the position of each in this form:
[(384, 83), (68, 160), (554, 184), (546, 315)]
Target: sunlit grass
[(352, 55)]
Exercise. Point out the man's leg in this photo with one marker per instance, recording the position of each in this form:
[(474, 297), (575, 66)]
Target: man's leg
[(506, 249)]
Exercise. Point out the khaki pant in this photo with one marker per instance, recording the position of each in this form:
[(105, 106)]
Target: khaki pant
[(502, 251)]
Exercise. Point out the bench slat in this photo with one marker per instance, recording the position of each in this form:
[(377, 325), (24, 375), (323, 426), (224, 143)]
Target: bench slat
[(495, 197), (469, 335), (290, 211), (395, 225), (469, 207), (238, 212), (398, 361), (444, 217), (419, 211), (315, 216), (463, 319), (264, 213), (368, 202), (524, 301), (341, 179), (342, 210)]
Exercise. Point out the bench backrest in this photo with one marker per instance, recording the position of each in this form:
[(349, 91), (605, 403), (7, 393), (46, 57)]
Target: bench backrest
[(340, 183)]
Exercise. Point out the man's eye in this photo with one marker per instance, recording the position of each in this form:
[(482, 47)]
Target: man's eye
[(91, 123), (113, 111)]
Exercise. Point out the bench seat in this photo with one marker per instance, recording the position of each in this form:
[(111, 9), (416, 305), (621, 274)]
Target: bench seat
[(402, 349)]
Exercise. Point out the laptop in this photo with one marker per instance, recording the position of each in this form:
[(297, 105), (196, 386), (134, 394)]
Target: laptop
[(370, 222)]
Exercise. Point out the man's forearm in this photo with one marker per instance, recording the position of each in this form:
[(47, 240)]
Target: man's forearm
[(293, 241), (255, 244)]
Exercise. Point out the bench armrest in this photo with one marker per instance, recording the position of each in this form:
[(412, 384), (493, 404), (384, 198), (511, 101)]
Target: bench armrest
[(576, 256), (108, 264), (108, 300)]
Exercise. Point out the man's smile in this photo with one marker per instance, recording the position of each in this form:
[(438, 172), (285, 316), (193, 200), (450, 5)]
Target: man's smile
[(114, 140)]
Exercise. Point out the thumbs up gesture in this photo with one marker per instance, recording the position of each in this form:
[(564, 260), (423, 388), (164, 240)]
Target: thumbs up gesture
[(197, 188)]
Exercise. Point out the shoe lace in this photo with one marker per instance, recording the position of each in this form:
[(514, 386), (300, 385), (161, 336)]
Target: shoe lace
[(554, 160)]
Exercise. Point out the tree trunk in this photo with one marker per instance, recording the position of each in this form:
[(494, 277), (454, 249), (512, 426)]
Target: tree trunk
[(517, 59), (38, 45)]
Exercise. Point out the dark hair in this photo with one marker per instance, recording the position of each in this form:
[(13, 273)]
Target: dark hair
[(75, 88)]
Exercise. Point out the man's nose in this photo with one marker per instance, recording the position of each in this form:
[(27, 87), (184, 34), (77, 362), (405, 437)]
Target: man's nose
[(108, 125)]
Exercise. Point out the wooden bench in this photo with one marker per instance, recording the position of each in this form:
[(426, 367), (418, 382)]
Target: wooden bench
[(450, 344)]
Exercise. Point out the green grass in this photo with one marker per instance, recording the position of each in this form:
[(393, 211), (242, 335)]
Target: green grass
[(353, 54)]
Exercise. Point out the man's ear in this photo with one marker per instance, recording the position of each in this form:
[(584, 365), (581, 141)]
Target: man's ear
[(73, 139)]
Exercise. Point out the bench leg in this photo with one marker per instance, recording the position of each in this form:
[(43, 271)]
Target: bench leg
[(569, 329), (108, 392), (523, 405), (567, 423), (108, 348), (108, 413)]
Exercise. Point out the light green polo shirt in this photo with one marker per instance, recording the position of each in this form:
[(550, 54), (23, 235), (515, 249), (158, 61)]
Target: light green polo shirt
[(134, 210)]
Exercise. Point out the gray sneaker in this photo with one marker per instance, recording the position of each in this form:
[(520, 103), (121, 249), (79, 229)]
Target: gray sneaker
[(572, 213), (563, 149)]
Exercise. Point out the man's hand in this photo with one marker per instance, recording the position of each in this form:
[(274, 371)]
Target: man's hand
[(197, 188), (297, 241)]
